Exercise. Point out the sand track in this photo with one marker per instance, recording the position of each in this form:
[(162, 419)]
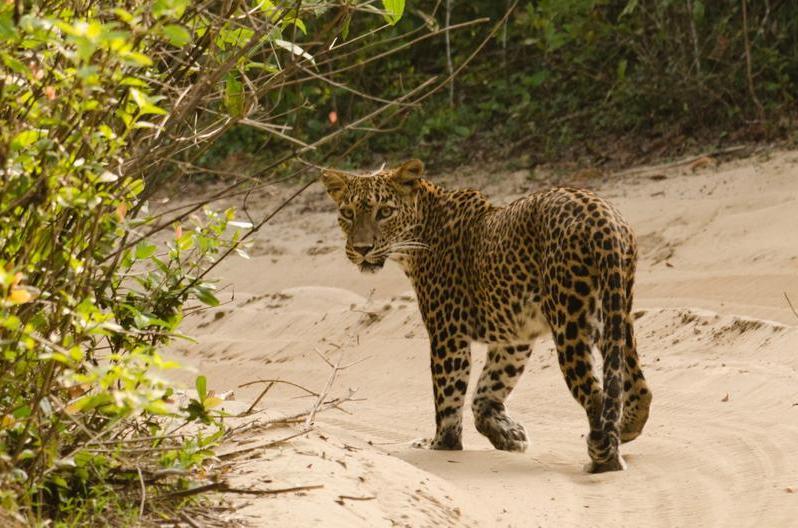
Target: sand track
[(717, 342)]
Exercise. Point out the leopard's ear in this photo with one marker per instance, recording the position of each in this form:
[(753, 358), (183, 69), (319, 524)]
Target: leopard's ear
[(407, 175), (335, 183)]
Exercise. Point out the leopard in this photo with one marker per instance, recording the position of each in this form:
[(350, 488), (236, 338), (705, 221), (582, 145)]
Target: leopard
[(560, 260)]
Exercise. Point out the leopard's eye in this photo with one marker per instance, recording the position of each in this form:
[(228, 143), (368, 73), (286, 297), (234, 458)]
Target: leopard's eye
[(385, 212), (347, 213)]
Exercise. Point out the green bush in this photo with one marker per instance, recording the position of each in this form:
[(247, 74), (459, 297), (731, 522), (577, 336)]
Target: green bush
[(100, 107), (82, 309), (613, 80)]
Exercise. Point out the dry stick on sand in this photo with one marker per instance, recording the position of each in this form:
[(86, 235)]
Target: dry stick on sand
[(263, 445), (320, 404), (323, 394), (258, 399), (309, 415), (795, 313), (188, 520), (225, 488)]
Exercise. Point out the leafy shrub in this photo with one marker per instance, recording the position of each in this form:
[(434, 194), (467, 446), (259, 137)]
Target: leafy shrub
[(614, 80), (100, 106), (82, 310)]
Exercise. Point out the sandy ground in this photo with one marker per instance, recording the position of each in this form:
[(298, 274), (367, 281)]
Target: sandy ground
[(718, 342)]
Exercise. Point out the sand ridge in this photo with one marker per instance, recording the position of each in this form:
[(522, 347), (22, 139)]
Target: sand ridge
[(718, 342)]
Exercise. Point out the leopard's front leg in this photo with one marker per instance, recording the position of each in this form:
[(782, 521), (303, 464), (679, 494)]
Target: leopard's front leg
[(451, 365)]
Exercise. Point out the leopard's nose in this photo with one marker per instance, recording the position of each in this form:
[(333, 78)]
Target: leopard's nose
[(363, 249)]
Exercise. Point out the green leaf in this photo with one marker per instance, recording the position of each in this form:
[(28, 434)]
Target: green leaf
[(698, 10), (145, 103), (135, 187), (59, 481), (629, 9), (186, 242), (234, 95), (201, 384), (206, 296), (145, 249), (22, 412), (268, 7), (24, 139), (170, 8), (298, 23), (137, 59), (124, 15), (7, 28), (345, 26), (622, 64), (178, 35), (393, 10), (10, 322), (301, 25), (537, 78), (15, 65)]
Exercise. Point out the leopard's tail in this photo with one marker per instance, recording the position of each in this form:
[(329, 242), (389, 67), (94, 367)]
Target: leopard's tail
[(605, 433)]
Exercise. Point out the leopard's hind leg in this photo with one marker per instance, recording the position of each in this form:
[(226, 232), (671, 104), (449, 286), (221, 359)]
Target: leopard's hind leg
[(636, 394), (502, 369), (574, 354)]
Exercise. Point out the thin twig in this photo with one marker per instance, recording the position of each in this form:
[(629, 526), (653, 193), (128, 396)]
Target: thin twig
[(263, 445), (188, 520), (213, 486), (151, 476), (331, 404), (795, 313), (694, 35), (143, 492), (154, 438), (342, 498), (760, 110), (449, 68), (272, 491), (257, 400), (336, 368), (291, 383)]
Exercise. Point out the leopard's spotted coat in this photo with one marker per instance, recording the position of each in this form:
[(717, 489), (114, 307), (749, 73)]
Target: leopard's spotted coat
[(560, 260)]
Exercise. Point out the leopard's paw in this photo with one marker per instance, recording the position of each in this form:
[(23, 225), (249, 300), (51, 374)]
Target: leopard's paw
[(617, 463), (449, 440), (503, 432)]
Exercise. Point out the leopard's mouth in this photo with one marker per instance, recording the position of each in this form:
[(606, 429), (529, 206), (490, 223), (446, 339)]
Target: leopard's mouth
[(371, 267)]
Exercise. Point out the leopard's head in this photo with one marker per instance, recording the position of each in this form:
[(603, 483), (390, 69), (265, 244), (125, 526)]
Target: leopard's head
[(377, 212)]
